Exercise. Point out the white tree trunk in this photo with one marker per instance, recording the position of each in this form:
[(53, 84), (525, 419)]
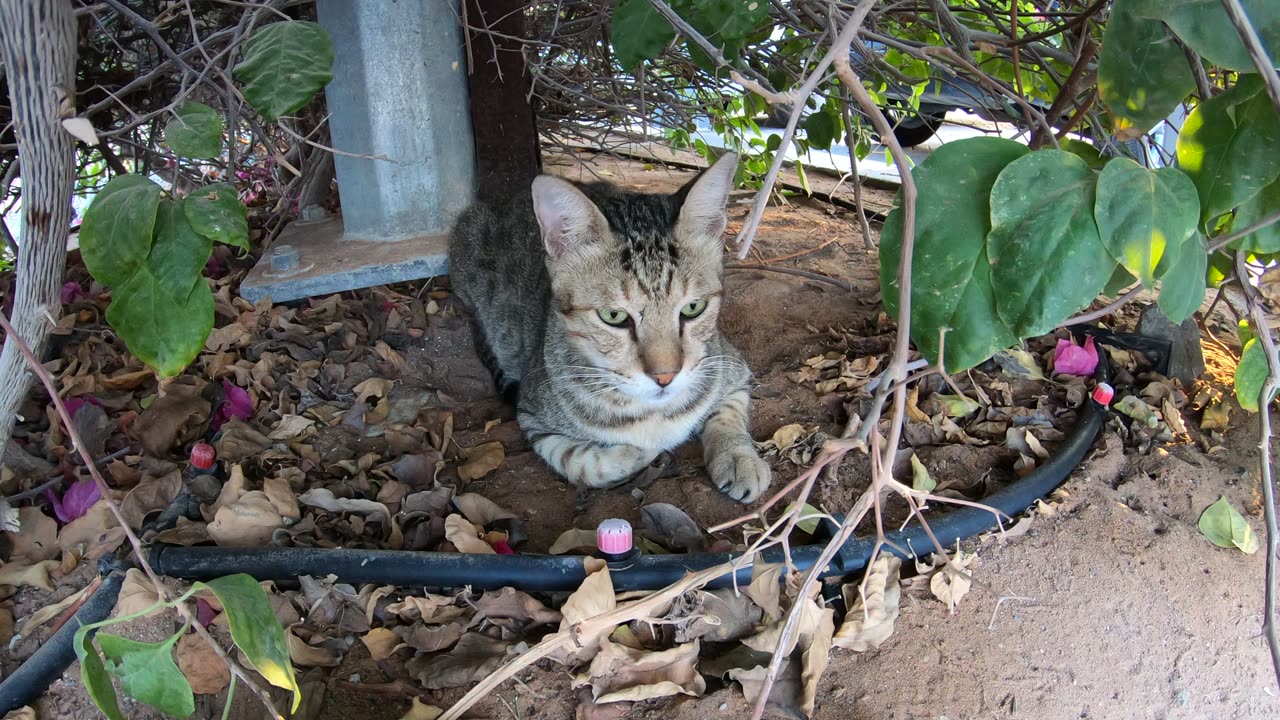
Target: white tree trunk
[(38, 40)]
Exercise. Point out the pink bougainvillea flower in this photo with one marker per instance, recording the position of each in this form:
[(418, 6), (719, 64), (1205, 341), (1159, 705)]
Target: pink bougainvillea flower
[(75, 403), (71, 292), (502, 548), (236, 403), (204, 612), (1072, 359), (76, 501)]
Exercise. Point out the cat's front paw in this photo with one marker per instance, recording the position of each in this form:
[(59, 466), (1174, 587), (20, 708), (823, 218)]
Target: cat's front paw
[(740, 473)]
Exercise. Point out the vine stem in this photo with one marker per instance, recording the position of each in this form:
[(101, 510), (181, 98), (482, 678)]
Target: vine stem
[(839, 56), (161, 592), (1262, 329)]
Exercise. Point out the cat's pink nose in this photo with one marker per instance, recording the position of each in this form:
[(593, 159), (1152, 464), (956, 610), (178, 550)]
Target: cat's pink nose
[(664, 378)]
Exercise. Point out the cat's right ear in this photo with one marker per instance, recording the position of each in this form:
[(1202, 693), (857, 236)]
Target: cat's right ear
[(567, 217)]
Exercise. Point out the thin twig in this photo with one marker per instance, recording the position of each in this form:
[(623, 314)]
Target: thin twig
[(57, 476), (1225, 240), (897, 366), (847, 287), (1127, 297)]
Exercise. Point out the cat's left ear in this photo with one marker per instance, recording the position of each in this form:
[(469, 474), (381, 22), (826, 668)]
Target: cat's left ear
[(702, 214)]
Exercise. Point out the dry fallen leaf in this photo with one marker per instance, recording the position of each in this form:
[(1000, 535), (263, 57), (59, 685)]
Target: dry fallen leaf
[(136, 594), (206, 672), (949, 584), (430, 638), (381, 643), (35, 574), (49, 612), (291, 427), (619, 673), (481, 460), (96, 533), (36, 538), (573, 539), (282, 498), (430, 609), (1216, 416), (766, 584), (481, 510), (307, 655), (670, 527), (812, 639), (152, 494), (248, 522), (27, 713), (422, 711), (873, 606), (593, 597), (465, 536), (324, 499), (513, 609), (475, 657)]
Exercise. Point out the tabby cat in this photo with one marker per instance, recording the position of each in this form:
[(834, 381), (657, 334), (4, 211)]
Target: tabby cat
[(597, 312)]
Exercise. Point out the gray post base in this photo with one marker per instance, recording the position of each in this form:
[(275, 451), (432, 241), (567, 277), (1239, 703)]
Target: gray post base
[(314, 258)]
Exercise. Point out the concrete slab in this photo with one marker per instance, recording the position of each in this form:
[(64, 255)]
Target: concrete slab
[(316, 258)]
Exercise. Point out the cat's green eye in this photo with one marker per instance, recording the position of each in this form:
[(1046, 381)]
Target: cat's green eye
[(613, 317), (693, 309)]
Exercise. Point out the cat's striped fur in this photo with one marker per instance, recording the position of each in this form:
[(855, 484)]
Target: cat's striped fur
[(599, 401)]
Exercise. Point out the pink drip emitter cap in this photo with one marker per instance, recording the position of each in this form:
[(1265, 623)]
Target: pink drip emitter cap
[(613, 537)]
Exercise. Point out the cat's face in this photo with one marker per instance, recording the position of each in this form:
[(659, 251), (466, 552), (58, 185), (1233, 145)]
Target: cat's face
[(638, 284)]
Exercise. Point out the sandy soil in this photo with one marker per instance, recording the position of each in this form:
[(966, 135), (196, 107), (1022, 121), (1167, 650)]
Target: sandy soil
[(1113, 607)]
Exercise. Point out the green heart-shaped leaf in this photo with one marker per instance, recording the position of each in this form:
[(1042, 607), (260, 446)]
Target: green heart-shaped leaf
[(1251, 374), (1252, 211), (1141, 212), (285, 64), (639, 33), (256, 630), (161, 332), (178, 253), (1142, 73), (1228, 146), (1204, 25), (951, 283), (115, 235), (147, 673), (216, 212), (1047, 260), (1182, 287), (94, 675), (195, 131)]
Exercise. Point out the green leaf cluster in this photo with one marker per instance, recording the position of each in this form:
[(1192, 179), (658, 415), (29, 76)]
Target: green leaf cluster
[(147, 671), (151, 252), (1009, 243)]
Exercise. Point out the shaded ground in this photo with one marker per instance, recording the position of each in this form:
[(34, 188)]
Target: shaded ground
[(1111, 606)]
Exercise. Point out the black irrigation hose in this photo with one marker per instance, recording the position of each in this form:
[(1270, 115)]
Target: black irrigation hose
[(648, 572), (53, 658)]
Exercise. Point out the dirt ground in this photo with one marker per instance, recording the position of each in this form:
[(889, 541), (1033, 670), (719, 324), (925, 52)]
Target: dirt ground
[(1114, 606)]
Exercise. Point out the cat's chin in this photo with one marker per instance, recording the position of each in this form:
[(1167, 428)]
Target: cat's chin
[(657, 397)]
